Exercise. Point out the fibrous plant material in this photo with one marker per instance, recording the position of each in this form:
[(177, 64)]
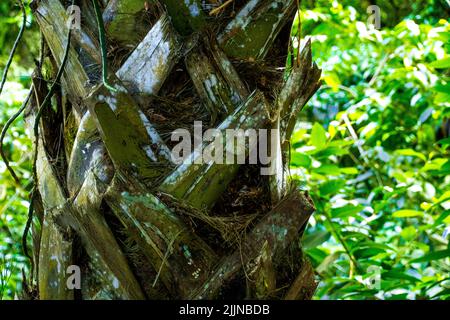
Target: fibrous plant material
[(252, 33), (55, 250), (182, 259), (146, 227), (124, 21), (215, 78), (303, 81), (200, 184), (80, 214), (52, 17), (88, 155), (269, 237), (101, 245), (83, 216), (304, 285), (187, 16), (145, 71), (133, 144)]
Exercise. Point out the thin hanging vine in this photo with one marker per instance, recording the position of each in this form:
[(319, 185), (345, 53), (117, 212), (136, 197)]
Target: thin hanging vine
[(2, 84), (102, 38)]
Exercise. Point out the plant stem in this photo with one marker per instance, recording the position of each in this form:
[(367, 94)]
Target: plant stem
[(102, 38)]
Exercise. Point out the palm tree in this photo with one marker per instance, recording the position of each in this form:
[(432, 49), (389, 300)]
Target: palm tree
[(109, 199)]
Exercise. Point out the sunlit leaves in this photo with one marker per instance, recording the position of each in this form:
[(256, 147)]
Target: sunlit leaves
[(437, 255), (318, 136), (331, 187), (300, 160), (348, 210), (441, 64), (380, 179), (411, 153), (407, 214)]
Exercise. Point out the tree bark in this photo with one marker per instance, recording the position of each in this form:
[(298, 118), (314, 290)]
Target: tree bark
[(115, 204)]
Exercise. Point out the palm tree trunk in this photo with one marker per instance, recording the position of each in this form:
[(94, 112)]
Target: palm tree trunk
[(109, 197)]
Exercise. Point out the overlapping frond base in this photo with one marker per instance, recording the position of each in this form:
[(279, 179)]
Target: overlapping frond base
[(115, 204)]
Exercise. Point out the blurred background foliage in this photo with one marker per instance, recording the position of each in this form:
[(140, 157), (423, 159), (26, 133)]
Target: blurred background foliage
[(372, 148), (14, 199)]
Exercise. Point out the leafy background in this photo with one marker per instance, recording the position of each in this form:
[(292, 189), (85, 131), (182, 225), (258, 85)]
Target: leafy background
[(13, 198), (372, 148)]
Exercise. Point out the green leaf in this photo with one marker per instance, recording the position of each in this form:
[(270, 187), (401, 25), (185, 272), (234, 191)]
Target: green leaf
[(407, 214), (367, 252), (318, 136), (329, 151), (444, 142), (341, 143), (346, 211), (409, 233), (372, 244), (315, 239), (441, 64), (436, 255), (328, 169), (445, 292), (350, 170), (317, 255), (300, 160), (331, 187), (333, 81), (445, 168), (442, 97), (392, 274), (435, 164), (411, 153), (443, 36), (445, 197), (297, 138), (442, 88), (441, 218)]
